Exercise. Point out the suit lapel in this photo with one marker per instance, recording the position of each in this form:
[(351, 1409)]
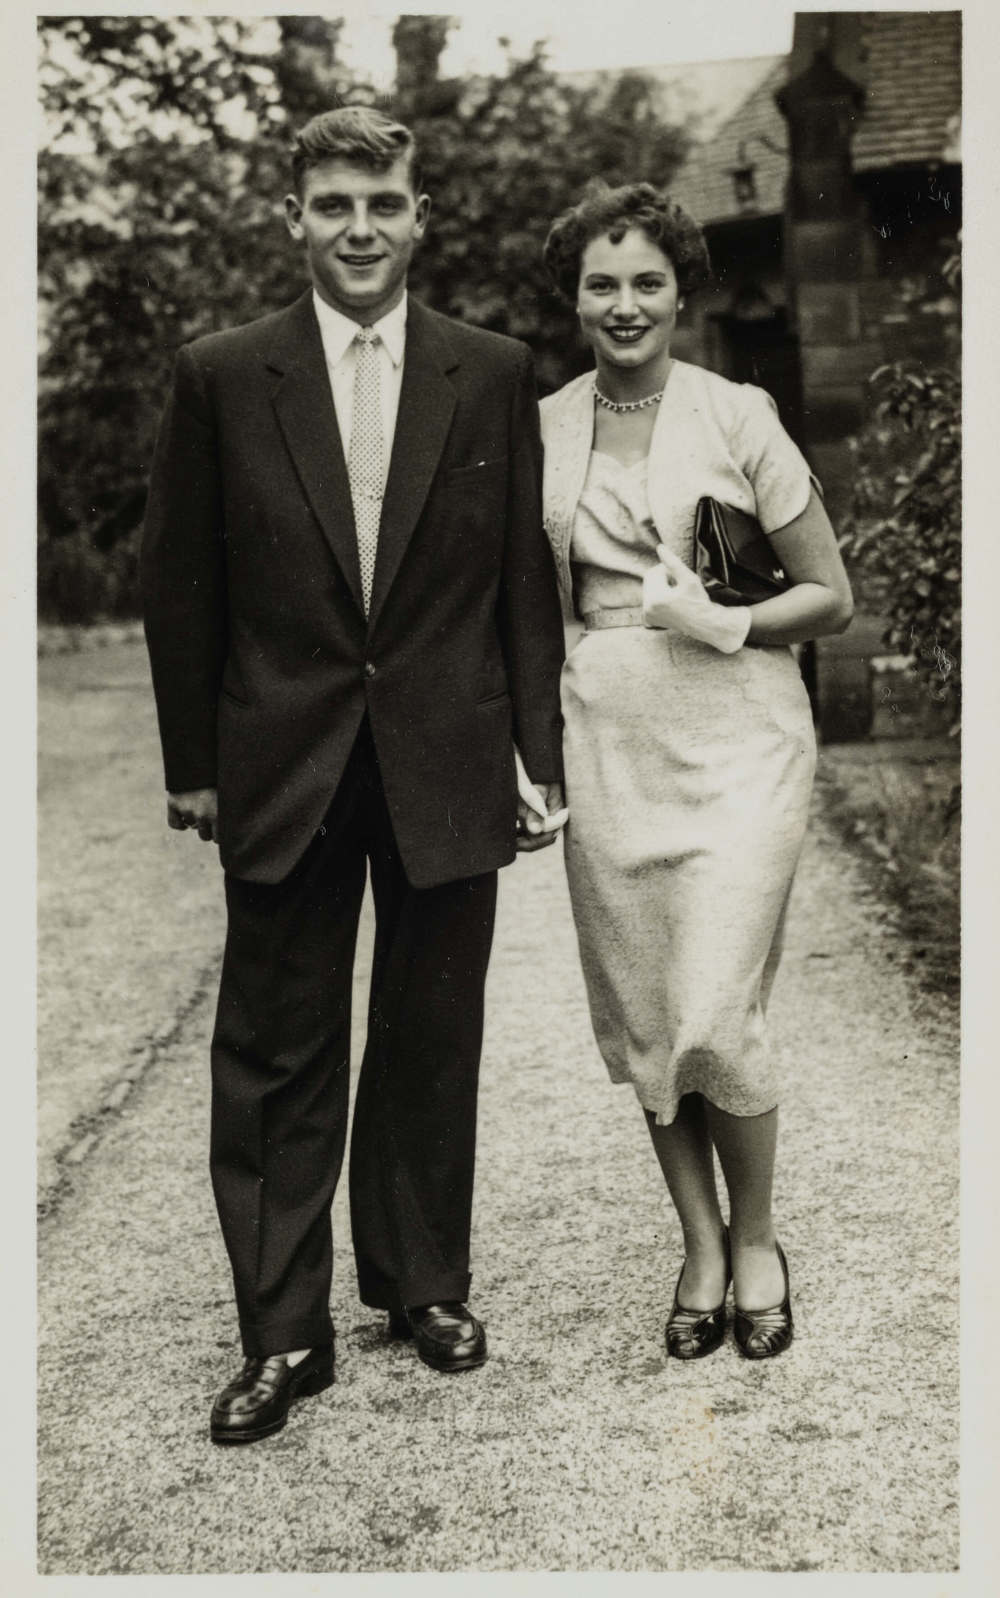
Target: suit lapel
[(426, 407), (304, 407)]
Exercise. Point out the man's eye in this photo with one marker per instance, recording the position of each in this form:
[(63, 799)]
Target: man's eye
[(650, 285), (601, 287)]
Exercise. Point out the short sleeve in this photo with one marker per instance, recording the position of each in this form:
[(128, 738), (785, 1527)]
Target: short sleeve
[(772, 462)]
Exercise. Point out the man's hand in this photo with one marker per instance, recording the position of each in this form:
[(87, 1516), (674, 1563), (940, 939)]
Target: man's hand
[(199, 809), (530, 825)]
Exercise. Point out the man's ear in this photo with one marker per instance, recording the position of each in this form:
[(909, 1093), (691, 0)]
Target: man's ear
[(423, 211), (293, 216)]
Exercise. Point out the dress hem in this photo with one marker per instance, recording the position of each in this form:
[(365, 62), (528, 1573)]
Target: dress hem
[(663, 1119)]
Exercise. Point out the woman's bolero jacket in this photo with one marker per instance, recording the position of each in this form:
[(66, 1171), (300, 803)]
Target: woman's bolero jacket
[(711, 436)]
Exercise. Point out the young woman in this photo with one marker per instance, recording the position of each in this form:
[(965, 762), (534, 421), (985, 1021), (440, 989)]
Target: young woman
[(689, 748)]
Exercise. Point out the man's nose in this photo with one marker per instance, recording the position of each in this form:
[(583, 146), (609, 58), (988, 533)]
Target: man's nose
[(361, 222), (624, 306)]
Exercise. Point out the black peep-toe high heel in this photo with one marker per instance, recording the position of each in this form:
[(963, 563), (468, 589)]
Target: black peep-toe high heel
[(693, 1333), (763, 1333)]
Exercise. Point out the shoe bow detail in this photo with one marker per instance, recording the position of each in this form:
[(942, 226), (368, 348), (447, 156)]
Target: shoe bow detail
[(693, 1333), (763, 1333)]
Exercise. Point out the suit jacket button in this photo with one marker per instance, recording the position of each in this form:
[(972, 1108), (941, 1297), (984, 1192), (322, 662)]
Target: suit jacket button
[(369, 669)]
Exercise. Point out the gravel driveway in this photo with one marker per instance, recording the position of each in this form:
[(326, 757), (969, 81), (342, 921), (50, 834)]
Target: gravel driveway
[(578, 1446)]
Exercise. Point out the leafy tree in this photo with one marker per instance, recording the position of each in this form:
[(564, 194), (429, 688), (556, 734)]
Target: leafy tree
[(503, 155), (151, 200), (307, 68), (419, 42), (160, 189), (904, 533), (109, 82)]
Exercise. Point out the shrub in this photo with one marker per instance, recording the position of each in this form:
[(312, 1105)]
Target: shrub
[(161, 180), (79, 582), (904, 531)]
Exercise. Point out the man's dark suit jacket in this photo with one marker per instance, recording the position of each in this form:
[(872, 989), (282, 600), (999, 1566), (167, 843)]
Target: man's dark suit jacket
[(263, 663)]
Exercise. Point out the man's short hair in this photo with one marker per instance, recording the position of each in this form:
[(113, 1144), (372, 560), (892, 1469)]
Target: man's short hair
[(360, 134)]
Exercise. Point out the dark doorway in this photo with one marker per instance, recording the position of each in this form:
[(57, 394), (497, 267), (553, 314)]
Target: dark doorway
[(760, 349)]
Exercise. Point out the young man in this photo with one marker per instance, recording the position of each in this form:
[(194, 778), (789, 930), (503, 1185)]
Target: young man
[(352, 618)]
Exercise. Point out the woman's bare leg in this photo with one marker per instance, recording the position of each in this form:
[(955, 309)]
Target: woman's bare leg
[(684, 1150)]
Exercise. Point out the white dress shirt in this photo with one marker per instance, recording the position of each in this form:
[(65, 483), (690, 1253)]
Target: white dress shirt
[(338, 333)]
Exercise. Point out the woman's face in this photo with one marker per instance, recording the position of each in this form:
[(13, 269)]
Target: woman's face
[(627, 299)]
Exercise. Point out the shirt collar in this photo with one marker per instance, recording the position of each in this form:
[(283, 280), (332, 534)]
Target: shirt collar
[(338, 331)]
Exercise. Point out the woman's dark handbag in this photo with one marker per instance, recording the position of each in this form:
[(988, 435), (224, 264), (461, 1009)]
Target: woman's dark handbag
[(733, 556)]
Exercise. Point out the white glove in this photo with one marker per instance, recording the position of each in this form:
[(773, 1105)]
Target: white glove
[(529, 793), (673, 597)]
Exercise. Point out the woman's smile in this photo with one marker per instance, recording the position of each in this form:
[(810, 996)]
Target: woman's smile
[(625, 335)]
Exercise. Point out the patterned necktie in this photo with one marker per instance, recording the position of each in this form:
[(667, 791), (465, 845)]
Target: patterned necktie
[(366, 457)]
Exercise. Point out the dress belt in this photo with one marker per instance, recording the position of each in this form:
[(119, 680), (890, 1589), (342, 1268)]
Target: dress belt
[(594, 620)]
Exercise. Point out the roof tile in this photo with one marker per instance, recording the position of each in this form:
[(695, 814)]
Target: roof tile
[(912, 75)]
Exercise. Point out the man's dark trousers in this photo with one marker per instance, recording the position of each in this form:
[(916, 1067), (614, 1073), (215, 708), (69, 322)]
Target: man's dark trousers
[(280, 1072)]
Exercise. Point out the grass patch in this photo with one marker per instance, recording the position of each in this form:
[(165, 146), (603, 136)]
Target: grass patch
[(897, 806)]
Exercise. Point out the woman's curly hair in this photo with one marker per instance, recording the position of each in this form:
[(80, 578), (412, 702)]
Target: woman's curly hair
[(603, 209)]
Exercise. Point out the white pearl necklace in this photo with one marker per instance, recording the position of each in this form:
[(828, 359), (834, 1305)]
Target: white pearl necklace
[(621, 406)]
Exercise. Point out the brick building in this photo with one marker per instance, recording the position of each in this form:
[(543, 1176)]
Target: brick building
[(835, 179)]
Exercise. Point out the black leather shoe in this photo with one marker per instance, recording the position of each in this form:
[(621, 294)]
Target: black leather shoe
[(693, 1333), (763, 1333), (448, 1336), (256, 1403)]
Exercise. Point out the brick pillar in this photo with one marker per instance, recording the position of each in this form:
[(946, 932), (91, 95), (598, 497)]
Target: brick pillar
[(826, 257)]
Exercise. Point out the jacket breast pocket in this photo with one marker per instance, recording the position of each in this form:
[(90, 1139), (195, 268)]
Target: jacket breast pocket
[(471, 501), (476, 472)]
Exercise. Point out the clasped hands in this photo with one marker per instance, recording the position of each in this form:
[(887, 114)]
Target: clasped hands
[(673, 597), (541, 812)]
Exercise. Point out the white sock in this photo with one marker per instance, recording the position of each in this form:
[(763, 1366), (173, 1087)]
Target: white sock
[(297, 1355)]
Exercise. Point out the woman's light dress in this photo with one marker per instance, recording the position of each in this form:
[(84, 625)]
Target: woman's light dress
[(688, 771)]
